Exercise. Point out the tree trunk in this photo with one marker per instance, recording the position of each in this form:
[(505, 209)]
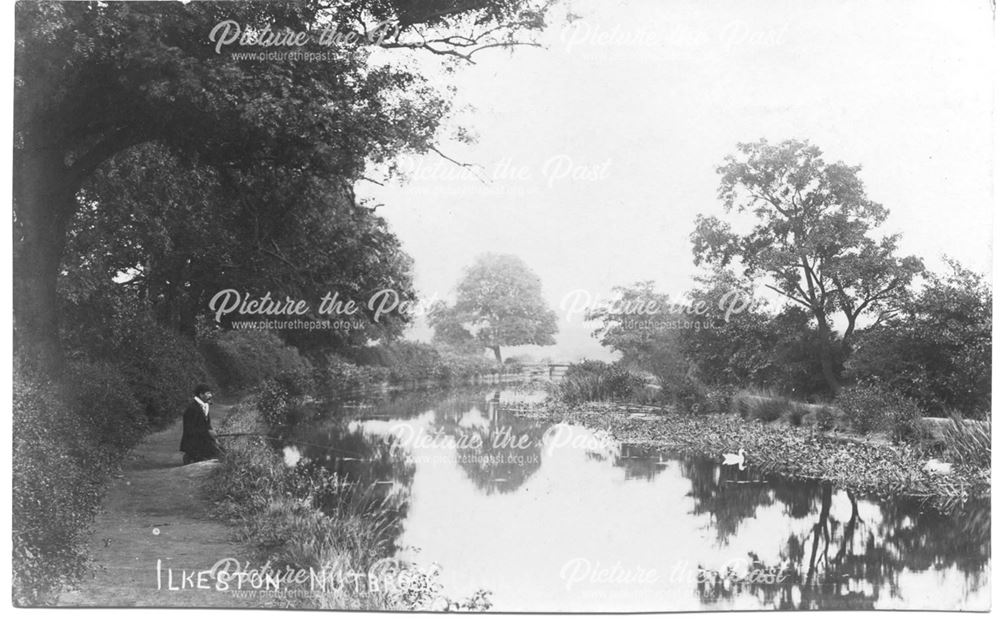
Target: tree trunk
[(826, 355), (44, 202), (496, 352)]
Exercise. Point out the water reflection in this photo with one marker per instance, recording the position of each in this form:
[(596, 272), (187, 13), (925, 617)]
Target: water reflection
[(555, 517)]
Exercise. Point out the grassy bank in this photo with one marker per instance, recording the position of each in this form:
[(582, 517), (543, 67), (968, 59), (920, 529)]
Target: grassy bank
[(852, 463), (306, 518)]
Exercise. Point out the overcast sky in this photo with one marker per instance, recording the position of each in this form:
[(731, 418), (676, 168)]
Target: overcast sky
[(599, 150)]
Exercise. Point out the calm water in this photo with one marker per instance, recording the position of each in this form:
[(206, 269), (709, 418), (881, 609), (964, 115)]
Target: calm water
[(555, 517)]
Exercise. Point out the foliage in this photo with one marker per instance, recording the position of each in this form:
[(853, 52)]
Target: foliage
[(411, 361), (812, 238), (644, 326), (721, 336), (968, 442), (67, 439), (240, 359), (765, 407), (593, 380), (868, 467), (768, 406), (103, 403), (343, 380), (826, 418), (499, 304), (171, 226), (872, 407), (309, 517), (938, 350), (160, 365), (96, 80), (274, 402)]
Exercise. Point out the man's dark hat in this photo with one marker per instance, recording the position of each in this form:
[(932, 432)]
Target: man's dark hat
[(202, 388)]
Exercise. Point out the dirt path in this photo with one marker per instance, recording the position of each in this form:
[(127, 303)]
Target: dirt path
[(157, 511)]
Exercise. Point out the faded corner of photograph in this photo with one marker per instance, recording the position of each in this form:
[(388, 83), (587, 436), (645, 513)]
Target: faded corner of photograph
[(545, 306)]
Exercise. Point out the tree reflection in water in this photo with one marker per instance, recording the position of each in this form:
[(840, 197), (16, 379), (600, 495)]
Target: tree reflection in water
[(830, 548), (508, 450), (837, 561)]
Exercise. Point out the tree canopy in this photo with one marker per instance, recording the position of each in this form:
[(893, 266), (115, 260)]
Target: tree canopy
[(95, 80), (813, 239), (498, 304)]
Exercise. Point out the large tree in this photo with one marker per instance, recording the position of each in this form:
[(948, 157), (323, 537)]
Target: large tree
[(812, 239), (93, 79), (498, 304)]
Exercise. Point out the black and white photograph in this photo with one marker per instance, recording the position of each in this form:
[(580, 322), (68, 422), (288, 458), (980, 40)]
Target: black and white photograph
[(505, 306)]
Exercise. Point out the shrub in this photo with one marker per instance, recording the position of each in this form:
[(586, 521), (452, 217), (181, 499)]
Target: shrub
[(871, 407), (104, 406), (765, 406), (274, 401), (244, 358), (826, 418), (408, 361), (160, 366), (342, 380), (458, 365), (67, 439), (593, 380), (797, 413), (688, 395)]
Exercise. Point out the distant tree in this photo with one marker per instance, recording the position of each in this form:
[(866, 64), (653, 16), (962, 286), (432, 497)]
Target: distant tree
[(938, 349), (498, 304), (645, 327), (812, 239)]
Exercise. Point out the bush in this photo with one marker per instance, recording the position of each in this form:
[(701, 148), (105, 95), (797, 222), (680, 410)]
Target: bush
[(105, 407), (796, 414), (160, 366), (341, 380), (593, 380), (67, 439), (274, 401), (241, 359), (763, 406), (871, 407), (409, 361), (694, 397), (457, 365), (826, 418)]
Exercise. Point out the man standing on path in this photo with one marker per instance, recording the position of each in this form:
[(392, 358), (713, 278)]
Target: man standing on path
[(198, 440)]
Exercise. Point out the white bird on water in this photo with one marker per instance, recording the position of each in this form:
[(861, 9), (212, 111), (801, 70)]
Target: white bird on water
[(739, 459), (936, 466)]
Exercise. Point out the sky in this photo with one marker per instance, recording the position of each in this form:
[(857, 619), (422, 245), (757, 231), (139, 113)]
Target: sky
[(596, 152)]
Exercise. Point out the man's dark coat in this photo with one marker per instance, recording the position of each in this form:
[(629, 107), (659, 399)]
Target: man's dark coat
[(196, 442)]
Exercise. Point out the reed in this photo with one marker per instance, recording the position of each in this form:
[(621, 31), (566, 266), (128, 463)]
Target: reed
[(968, 442)]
